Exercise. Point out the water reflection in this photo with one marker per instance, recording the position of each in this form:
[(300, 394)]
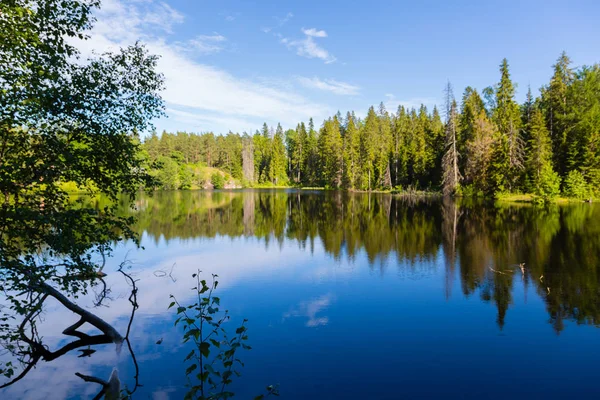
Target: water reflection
[(424, 290), (310, 309), (558, 247)]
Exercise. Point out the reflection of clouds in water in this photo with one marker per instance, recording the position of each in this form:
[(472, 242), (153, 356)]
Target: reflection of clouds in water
[(56, 380), (163, 394), (310, 309)]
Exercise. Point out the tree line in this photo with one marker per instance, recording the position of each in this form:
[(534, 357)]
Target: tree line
[(484, 144)]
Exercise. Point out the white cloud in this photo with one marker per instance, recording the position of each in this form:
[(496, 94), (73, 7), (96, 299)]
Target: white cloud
[(206, 44), (308, 48), (310, 309), (229, 18), (329, 85), (218, 99), (314, 33)]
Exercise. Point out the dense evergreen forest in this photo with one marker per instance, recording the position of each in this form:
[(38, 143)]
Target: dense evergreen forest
[(486, 145)]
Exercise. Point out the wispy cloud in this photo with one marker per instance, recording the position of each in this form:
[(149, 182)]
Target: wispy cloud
[(210, 97), (284, 20), (229, 18), (314, 33), (329, 85), (310, 309), (207, 44), (308, 48), (281, 21)]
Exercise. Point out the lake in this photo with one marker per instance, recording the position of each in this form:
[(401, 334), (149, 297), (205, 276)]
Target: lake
[(354, 296)]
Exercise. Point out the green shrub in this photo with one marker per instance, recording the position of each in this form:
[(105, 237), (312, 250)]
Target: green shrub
[(217, 180), (548, 186), (576, 186), (469, 191)]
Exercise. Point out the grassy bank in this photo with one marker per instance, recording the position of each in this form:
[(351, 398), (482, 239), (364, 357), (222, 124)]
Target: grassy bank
[(531, 198)]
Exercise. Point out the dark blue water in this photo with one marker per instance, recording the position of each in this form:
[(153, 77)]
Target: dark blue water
[(357, 297)]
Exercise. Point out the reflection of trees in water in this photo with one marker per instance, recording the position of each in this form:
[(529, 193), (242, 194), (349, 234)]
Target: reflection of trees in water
[(560, 246), (25, 348)]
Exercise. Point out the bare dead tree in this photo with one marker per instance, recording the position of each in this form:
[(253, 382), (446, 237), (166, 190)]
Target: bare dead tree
[(29, 348), (451, 174)]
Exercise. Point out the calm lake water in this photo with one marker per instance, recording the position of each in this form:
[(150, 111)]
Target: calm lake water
[(356, 296)]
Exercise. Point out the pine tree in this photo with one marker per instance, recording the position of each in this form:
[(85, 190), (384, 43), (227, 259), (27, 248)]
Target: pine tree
[(298, 154), (507, 161), (368, 135), (555, 103), (421, 154), (351, 152), (545, 182), (383, 147), (435, 141), (400, 156), (583, 120), (311, 159), (278, 162), (330, 150)]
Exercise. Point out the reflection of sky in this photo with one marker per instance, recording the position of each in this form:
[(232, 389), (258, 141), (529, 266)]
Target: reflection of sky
[(325, 328), (310, 309)]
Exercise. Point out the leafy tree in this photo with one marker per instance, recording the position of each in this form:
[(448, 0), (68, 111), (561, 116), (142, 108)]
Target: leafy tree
[(65, 119)]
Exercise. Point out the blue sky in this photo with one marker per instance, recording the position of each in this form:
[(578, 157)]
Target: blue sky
[(232, 65)]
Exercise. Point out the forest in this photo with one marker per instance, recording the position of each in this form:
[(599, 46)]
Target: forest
[(483, 144)]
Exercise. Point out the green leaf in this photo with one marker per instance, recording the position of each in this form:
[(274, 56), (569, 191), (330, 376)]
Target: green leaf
[(204, 349), (171, 305), (190, 369), (241, 329), (190, 355)]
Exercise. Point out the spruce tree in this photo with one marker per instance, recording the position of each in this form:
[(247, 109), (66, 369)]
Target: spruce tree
[(508, 157), (544, 181), (278, 162), (351, 153), (368, 135), (555, 103)]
